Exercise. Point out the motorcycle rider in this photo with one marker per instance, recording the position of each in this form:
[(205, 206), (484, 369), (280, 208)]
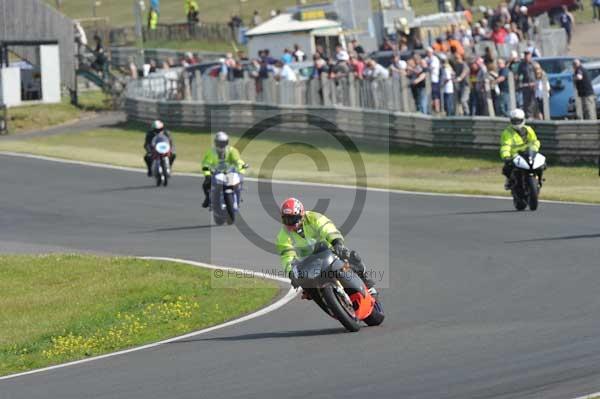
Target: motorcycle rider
[(156, 128), (222, 151), (302, 229), (516, 137)]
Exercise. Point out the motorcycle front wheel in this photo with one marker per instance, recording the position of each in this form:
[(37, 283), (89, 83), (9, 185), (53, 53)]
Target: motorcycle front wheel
[(229, 204), (340, 307), (533, 192)]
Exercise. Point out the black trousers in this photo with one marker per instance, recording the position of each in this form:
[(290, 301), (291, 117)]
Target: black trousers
[(206, 185), (507, 169)]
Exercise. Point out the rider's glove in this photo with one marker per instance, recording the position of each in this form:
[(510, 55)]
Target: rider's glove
[(291, 275), (340, 250)]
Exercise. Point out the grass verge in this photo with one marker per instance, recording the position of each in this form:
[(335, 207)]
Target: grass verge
[(30, 117), (414, 169), (58, 308), (194, 45)]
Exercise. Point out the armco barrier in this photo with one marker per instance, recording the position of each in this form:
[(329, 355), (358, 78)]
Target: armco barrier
[(565, 141)]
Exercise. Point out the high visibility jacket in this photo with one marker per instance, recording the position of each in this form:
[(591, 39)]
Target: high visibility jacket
[(232, 159), (153, 19), (315, 228), (511, 142), (190, 5)]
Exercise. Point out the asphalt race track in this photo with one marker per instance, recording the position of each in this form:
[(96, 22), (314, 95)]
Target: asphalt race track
[(483, 302)]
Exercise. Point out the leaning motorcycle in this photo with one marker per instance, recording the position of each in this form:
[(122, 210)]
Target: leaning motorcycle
[(161, 164), (527, 178), (337, 289), (225, 195)]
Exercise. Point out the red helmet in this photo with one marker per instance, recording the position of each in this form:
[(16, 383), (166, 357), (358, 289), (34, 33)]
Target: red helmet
[(292, 213)]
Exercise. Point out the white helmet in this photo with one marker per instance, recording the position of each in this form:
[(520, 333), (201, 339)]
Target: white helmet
[(221, 140), (517, 118), (158, 126)]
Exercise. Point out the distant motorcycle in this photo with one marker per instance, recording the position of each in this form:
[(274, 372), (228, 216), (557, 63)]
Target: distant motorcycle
[(334, 286), (526, 179), (161, 164), (226, 193)]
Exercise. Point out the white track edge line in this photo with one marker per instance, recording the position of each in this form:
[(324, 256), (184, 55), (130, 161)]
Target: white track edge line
[(290, 182), (590, 396), (291, 294)]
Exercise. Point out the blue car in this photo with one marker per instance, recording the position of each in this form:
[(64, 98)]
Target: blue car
[(559, 71)]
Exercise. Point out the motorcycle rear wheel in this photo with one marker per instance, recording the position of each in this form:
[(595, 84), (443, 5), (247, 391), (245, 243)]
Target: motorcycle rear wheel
[(341, 312), (377, 316)]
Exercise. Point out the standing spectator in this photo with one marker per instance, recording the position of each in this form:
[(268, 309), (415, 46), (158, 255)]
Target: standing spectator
[(440, 46), (152, 18), (499, 35), (448, 87), (455, 45), (284, 72), (398, 66), (596, 10), (375, 71), (191, 11), (542, 86), (319, 66), (433, 63), (481, 88), (503, 103), (298, 53), (287, 57), (585, 91), (488, 56), (526, 76), (512, 38), (567, 20), (357, 47), (463, 89), (418, 78), (256, 19), (358, 65), (523, 21)]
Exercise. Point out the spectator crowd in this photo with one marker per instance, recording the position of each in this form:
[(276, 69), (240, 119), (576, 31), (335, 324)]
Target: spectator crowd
[(459, 74)]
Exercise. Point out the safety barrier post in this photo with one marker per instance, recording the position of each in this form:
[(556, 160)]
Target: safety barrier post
[(3, 119)]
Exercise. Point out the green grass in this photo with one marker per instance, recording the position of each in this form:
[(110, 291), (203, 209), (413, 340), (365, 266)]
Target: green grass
[(120, 12), (61, 307), (415, 169), (32, 117), (194, 45)]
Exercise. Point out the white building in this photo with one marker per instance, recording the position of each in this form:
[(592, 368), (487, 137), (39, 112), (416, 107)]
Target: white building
[(283, 31)]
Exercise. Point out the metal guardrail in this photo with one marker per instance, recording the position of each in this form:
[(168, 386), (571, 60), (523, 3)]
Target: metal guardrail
[(565, 141)]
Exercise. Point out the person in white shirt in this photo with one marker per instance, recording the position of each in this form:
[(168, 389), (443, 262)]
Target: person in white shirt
[(434, 68), (448, 76), (512, 38), (375, 71), (299, 55), (284, 72)]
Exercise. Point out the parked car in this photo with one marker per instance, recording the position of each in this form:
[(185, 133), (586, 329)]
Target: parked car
[(596, 85), (304, 69), (559, 71), (592, 68), (384, 58), (537, 7)]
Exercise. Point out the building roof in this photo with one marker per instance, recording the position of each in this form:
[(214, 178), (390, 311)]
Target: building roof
[(285, 23)]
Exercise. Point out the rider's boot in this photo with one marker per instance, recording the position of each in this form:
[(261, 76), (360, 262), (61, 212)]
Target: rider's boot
[(206, 202), (507, 184), (359, 268)]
